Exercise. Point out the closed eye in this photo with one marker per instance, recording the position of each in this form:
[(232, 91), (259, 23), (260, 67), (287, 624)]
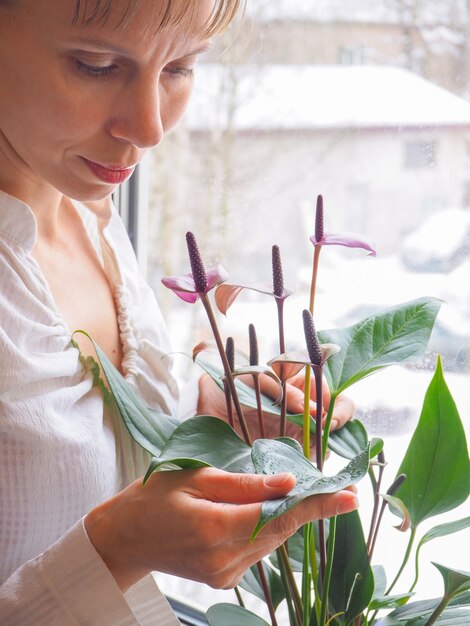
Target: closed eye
[(185, 72), (95, 71)]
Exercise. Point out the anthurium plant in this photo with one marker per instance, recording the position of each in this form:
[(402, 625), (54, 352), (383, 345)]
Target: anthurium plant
[(324, 573)]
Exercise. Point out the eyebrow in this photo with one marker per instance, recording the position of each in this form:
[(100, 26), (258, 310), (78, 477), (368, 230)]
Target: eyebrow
[(103, 45)]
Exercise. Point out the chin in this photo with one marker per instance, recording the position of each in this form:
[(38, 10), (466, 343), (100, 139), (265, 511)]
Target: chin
[(96, 197)]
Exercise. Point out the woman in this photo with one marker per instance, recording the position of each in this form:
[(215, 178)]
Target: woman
[(86, 88)]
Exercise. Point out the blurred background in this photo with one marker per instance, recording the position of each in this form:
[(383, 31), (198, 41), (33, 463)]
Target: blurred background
[(367, 103)]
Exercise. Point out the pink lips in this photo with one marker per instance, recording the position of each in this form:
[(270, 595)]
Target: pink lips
[(112, 174)]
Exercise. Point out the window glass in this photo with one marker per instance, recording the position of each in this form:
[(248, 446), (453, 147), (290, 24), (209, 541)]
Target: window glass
[(363, 102)]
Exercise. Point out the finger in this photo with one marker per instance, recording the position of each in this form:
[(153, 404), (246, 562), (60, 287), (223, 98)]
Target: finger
[(278, 530), (219, 486)]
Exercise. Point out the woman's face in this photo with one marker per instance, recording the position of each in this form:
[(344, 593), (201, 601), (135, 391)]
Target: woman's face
[(79, 105)]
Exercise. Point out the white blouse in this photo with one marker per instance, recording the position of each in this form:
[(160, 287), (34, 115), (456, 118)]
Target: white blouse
[(61, 452)]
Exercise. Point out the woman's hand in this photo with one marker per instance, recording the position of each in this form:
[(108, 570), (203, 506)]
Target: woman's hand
[(212, 402), (197, 524)]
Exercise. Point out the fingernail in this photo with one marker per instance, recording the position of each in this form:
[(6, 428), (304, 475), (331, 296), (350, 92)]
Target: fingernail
[(347, 505), (334, 424), (277, 480)]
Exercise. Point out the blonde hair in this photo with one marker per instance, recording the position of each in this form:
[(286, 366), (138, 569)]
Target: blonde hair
[(98, 11)]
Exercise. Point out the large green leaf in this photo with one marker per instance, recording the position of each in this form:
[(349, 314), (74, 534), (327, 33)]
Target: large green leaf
[(272, 457), (225, 614), (149, 428), (206, 440), (352, 580), (436, 462), (251, 582), (397, 335)]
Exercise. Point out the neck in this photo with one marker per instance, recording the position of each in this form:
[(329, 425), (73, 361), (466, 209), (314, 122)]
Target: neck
[(45, 201)]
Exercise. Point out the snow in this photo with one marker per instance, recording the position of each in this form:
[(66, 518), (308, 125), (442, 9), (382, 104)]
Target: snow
[(322, 97), (379, 12), (438, 240)]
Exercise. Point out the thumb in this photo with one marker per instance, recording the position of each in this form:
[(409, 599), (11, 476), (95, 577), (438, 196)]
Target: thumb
[(219, 486)]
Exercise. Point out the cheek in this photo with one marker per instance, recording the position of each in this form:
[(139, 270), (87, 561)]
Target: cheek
[(45, 116), (174, 103)]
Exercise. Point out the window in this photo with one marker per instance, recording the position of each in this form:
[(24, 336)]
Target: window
[(351, 55), (420, 154), (268, 129)]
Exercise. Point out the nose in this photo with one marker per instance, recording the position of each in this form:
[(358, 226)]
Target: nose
[(137, 115)]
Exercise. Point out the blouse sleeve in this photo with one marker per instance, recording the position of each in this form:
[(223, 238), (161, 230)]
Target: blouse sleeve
[(69, 584)]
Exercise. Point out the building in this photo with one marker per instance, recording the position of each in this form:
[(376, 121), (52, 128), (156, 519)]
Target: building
[(375, 141)]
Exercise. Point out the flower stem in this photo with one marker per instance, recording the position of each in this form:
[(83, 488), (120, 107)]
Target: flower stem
[(313, 565), (239, 597), (415, 581), (326, 429), (405, 560), (329, 569), (306, 424), (306, 576), (376, 531), (267, 593), (310, 561), (318, 374), (259, 407), (228, 374), (438, 610), (374, 524), (282, 552), (228, 403), (313, 284), (285, 583), (282, 349)]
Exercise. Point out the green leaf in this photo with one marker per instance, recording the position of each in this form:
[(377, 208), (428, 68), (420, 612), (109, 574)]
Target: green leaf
[(422, 609), (293, 443), (206, 440), (380, 580), (441, 530), (273, 457), (449, 617), (397, 335), (352, 580), (347, 441), (225, 614), (436, 462), (445, 529), (351, 439), (455, 581), (251, 583), (389, 602), (149, 428)]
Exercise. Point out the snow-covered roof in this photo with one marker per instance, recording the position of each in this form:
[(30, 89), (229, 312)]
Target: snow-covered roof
[(430, 12), (287, 97)]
